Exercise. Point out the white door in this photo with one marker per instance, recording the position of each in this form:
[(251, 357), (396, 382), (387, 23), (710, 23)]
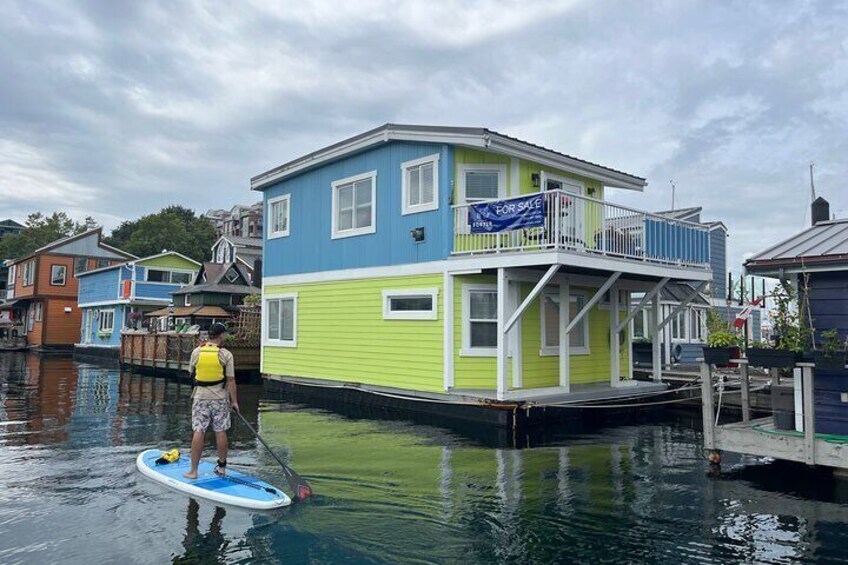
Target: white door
[(572, 212)]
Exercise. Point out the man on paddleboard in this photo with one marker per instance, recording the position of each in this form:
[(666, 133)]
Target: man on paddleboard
[(213, 373)]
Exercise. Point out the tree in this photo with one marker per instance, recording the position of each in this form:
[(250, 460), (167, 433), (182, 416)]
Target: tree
[(40, 230), (174, 228)]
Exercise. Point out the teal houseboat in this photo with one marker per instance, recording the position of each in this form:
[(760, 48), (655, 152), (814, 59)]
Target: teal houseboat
[(462, 266), (115, 298)]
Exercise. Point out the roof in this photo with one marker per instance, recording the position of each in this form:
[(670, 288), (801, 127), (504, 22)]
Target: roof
[(66, 240), (678, 292), (471, 137), (215, 282), (822, 246), (186, 311), (218, 289), (10, 223), (242, 241), (680, 213)]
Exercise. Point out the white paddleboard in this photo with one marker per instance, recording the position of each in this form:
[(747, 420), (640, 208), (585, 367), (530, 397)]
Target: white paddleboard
[(235, 489)]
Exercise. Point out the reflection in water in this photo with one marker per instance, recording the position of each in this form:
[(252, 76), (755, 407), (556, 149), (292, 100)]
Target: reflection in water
[(388, 491)]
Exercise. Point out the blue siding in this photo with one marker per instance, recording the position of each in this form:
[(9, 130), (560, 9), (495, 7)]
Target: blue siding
[(718, 263), (90, 318), (310, 248), (672, 242), (158, 291), (828, 294), (99, 287)]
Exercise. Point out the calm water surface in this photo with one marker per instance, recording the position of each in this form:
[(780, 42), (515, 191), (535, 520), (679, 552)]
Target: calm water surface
[(388, 491)]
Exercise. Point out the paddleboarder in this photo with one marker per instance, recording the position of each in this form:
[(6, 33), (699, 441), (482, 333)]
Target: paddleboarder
[(212, 371)]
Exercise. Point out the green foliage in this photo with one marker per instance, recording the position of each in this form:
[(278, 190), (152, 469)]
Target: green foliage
[(715, 322), (788, 320), (253, 300), (722, 339), (174, 228), (832, 345), (41, 230), (758, 344)]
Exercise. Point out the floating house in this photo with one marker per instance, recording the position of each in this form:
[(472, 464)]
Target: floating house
[(684, 337), (117, 297), (214, 295), (43, 287), (245, 251), (433, 263)]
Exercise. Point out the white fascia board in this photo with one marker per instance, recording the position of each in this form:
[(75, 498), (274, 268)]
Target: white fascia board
[(608, 177), (103, 303)]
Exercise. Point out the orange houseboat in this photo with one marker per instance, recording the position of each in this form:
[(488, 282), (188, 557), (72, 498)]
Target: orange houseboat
[(42, 291)]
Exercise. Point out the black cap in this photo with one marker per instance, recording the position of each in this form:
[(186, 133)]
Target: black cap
[(217, 329)]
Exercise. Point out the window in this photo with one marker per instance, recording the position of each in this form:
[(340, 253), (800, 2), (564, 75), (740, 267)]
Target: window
[(29, 272), (481, 182), (103, 263), (231, 276), (410, 304), (640, 325), (278, 212), (80, 265), (167, 277), (39, 311), (57, 275), (180, 278), (106, 321), (420, 185), (281, 321), (154, 275), (221, 253), (578, 337), (480, 320), (698, 324), (678, 325), (354, 202)]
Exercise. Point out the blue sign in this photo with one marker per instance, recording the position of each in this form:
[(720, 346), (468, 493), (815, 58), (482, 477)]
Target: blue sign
[(505, 215)]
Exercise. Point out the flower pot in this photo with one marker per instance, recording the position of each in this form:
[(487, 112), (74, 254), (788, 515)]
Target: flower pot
[(771, 358), (720, 356), (830, 364), (643, 353)]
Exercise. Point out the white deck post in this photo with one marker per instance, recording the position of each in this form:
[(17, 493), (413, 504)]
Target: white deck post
[(655, 338), (564, 341), (809, 413), (502, 353), (448, 331), (515, 339), (708, 411), (615, 349), (745, 389), (629, 334)]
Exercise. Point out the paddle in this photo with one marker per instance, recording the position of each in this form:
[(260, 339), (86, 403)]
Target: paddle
[(299, 486)]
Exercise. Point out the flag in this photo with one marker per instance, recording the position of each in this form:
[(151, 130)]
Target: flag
[(745, 313)]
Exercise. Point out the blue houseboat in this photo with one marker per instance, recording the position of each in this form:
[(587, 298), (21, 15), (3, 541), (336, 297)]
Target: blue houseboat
[(117, 297)]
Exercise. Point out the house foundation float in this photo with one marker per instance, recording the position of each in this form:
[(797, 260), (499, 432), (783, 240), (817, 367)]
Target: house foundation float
[(463, 272)]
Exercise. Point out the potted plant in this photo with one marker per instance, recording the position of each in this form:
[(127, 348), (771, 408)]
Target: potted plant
[(791, 335), (643, 352), (722, 346), (831, 358)]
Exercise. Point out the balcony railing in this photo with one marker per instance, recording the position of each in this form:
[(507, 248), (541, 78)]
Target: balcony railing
[(572, 222)]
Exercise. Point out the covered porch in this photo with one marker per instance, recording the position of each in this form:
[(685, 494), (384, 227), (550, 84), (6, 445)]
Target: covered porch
[(508, 339)]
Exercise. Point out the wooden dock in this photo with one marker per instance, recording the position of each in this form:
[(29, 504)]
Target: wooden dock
[(759, 436), (171, 351)]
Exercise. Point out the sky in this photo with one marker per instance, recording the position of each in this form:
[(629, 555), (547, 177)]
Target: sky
[(116, 109)]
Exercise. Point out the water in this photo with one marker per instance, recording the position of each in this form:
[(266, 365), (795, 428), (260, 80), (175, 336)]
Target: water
[(388, 491)]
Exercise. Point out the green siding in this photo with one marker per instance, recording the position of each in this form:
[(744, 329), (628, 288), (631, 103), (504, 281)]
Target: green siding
[(169, 262), (342, 336)]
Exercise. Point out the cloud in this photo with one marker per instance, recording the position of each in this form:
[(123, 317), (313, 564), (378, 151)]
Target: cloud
[(118, 109)]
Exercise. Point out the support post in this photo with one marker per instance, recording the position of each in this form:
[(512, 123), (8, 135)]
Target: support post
[(564, 341), (514, 342), (656, 362), (774, 373), (708, 411), (745, 389), (502, 336), (809, 413), (448, 331), (615, 348)]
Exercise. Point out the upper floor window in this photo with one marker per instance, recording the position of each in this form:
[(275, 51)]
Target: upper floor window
[(481, 182), (278, 212), (420, 185), (58, 274), (172, 277), (103, 263), (29, 273), (354, 205), (80, 265)]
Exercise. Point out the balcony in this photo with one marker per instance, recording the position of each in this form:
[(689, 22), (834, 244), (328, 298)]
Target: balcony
[(578, 224)]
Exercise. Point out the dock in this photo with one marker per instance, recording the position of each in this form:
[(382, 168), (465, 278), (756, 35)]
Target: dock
[(171, 352), (760, 437)]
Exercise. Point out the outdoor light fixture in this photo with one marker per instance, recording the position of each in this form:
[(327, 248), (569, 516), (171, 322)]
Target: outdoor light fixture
[(536, 179), (417, 234), (590, 191)]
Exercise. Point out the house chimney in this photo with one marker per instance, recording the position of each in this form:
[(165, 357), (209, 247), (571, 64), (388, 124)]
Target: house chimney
[(257, 273), (820, 210)]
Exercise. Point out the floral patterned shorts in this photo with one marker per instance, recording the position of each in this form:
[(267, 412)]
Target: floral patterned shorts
[(216, 412)]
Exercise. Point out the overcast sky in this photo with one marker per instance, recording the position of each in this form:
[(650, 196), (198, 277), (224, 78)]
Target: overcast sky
[(116, 109)]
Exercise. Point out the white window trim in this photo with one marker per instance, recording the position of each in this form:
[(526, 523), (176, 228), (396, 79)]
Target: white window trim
[(685, 324), (265, 309), (547, 351), (407, 209), (285, 232), (466, 350), (433, 314), (64, 268), (191, 275), (111, 328), (29, 273), (546, 176), (335, 233), (482, 167), (187, 300), (692, 316)]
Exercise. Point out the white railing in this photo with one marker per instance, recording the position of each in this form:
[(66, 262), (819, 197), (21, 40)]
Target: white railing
[(586, 225)]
